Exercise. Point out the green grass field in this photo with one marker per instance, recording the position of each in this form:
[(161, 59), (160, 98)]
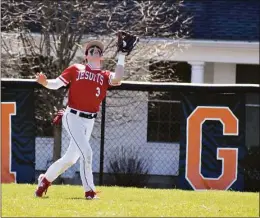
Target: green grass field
[(68, 201)]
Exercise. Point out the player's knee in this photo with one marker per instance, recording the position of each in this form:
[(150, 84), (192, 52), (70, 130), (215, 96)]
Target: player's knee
[(88, 152), (70, 162), (74, 161), (86, 160)]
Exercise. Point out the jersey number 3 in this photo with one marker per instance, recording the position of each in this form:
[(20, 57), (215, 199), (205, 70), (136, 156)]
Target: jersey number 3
[(98, 91)]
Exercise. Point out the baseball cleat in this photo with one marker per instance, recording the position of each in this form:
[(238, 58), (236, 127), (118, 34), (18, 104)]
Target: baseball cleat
[(91, 195), (43, 185)]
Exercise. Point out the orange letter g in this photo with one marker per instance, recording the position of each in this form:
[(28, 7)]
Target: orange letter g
[(228, 156)]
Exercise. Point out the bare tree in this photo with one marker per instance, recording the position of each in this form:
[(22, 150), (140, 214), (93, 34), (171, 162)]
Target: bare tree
[(45, 35), (56, 29)]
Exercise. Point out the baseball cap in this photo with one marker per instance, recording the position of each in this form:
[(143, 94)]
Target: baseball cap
[(94, 43)]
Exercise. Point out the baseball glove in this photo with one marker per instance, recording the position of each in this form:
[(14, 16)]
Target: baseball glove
[(126, 42)]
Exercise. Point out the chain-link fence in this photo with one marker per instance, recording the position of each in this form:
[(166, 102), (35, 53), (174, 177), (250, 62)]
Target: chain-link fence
[(137, 138)]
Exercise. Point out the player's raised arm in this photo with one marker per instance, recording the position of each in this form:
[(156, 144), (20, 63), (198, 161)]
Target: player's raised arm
[(48, 83), (63, 80), (125, 44)]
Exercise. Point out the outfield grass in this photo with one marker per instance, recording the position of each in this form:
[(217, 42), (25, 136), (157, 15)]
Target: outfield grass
[(68, 201)]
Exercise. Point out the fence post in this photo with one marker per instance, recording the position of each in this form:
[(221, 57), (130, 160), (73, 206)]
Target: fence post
[(57, 147), (102, 142)]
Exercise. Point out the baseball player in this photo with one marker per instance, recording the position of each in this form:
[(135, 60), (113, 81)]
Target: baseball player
[(88, 86)]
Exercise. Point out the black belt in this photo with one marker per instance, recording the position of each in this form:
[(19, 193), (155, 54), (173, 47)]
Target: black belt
[(81, 114)]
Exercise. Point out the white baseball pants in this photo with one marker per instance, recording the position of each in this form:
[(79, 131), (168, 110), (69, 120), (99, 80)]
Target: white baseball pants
[(80, 130)]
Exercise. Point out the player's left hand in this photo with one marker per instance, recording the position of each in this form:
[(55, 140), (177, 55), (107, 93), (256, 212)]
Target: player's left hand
[(126, 42), (58, 117)]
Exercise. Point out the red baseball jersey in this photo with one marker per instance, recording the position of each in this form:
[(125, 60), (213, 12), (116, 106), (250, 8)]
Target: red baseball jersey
[(88, 86)]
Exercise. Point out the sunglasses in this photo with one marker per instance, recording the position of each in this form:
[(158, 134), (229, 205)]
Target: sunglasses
[(94, 49)]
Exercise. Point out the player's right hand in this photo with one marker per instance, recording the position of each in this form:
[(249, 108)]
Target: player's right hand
[(41, 79)]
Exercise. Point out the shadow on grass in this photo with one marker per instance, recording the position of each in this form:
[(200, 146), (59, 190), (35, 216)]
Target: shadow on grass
[(77, 198), (81, 198), (45, 197)]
